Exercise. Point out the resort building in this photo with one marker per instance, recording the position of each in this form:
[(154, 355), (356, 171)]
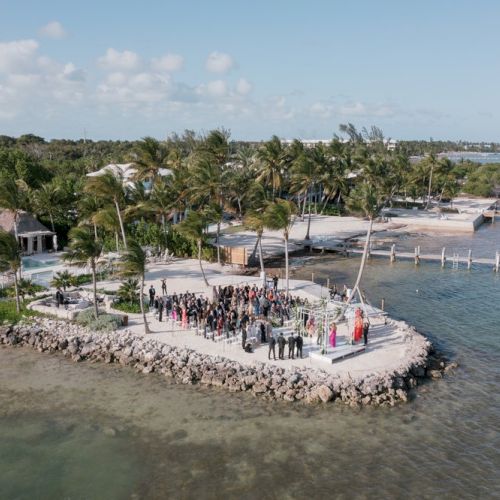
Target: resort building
[(33, 236)]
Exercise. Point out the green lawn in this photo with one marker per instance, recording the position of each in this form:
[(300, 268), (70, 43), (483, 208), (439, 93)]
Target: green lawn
[(8, 312)]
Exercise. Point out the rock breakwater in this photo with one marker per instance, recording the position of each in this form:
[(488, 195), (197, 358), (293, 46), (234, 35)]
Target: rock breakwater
[(188, 366)]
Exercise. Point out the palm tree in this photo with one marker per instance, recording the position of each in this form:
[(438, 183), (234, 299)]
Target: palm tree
[(62, 279), (84, 251), (151, 156), (13, 197), (87, 207), (107, 219), (109, 187), (254, 221), (271, 160), (365, 198), (133, 265), (192, 228), (129, 290), (279, 215), (10, 259), (46, 200), (432, 163)]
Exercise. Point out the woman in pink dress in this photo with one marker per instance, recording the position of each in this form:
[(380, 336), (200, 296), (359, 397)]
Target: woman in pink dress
[(333, 335), (184, 318)]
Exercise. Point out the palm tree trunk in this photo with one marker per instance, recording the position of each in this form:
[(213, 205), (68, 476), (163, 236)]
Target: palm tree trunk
[(363, 262), (52, 222), (217, 236), (254, 251), (430, 188), (201, 265), (95, 231), (94, 283), (117, 242), (16, 289), (304, 206), (261, 258), (308, 223), (141, 302), (286, 263), (327, 199), (122, 228)]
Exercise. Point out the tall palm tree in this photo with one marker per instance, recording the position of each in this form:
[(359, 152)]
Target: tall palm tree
[(133, 265), (10, 260), (46, 200), (208, 181), (109, 187), (84, 251), (271, 161), (88, 206), (150, 156), (107, 219), (279, 215), (13, 197), (193, 228), (366, 198)]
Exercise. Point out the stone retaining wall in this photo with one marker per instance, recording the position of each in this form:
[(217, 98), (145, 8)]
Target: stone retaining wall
[(190, 367)]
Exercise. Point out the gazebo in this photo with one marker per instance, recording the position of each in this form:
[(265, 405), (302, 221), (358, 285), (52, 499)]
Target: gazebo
[(33, 236)]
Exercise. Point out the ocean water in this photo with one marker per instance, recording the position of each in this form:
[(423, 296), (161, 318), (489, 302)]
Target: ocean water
[(98, 431)]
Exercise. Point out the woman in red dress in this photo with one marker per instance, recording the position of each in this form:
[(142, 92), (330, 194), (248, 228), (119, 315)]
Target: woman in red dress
[(358, 325)]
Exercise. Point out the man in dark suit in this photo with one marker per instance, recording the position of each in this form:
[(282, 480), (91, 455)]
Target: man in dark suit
[(291, 347), (272, 347), (281, 346), (299, 342)]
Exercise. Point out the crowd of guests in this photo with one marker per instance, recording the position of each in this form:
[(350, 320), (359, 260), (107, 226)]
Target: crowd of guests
[(245, 311), (232, 310)]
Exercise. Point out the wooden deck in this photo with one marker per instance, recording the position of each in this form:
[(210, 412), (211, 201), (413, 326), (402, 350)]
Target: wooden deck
[(340, 352)]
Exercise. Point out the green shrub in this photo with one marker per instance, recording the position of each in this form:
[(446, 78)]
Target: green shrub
[(128, 307), (104, 322)]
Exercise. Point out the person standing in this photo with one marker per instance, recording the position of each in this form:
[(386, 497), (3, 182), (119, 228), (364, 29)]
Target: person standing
[(366, 328), (161, 306), (164, 286), (243, 336), (333, 335), (59, 298), (299, 342), (275, 282), (152, 293), (291, 347), (281, 346), (272, 348)]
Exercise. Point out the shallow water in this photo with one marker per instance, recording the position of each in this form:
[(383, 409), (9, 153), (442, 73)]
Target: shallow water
[(98, 431)]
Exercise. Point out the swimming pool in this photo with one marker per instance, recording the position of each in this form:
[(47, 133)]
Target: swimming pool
[(30, 263)]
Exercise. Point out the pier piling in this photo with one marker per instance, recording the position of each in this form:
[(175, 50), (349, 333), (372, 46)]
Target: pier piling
[(417, 255), (382, 304), (469, 259), (393, 253), (497, 261), (443, 257)]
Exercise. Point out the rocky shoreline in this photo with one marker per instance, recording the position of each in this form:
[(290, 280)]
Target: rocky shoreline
[(268, 381)]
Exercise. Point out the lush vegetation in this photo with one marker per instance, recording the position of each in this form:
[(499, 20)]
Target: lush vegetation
[(210, 180), (103, 323)]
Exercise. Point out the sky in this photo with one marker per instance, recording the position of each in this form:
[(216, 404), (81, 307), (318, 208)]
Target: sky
[(294, 68)]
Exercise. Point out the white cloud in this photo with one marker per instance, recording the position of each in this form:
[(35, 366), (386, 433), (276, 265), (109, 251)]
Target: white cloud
[(121, 61), (243, 87), (219, 62), (215, 88), (53, 30), (168, 63), (17, 55)]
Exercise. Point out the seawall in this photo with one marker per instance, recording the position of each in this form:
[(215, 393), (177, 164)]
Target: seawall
[(190, 367)]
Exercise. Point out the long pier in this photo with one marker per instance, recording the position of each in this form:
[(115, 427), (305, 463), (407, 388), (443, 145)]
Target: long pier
[(416, 256)]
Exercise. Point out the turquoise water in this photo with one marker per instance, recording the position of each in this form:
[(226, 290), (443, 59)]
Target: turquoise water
[(29, 263), (98, 431)]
